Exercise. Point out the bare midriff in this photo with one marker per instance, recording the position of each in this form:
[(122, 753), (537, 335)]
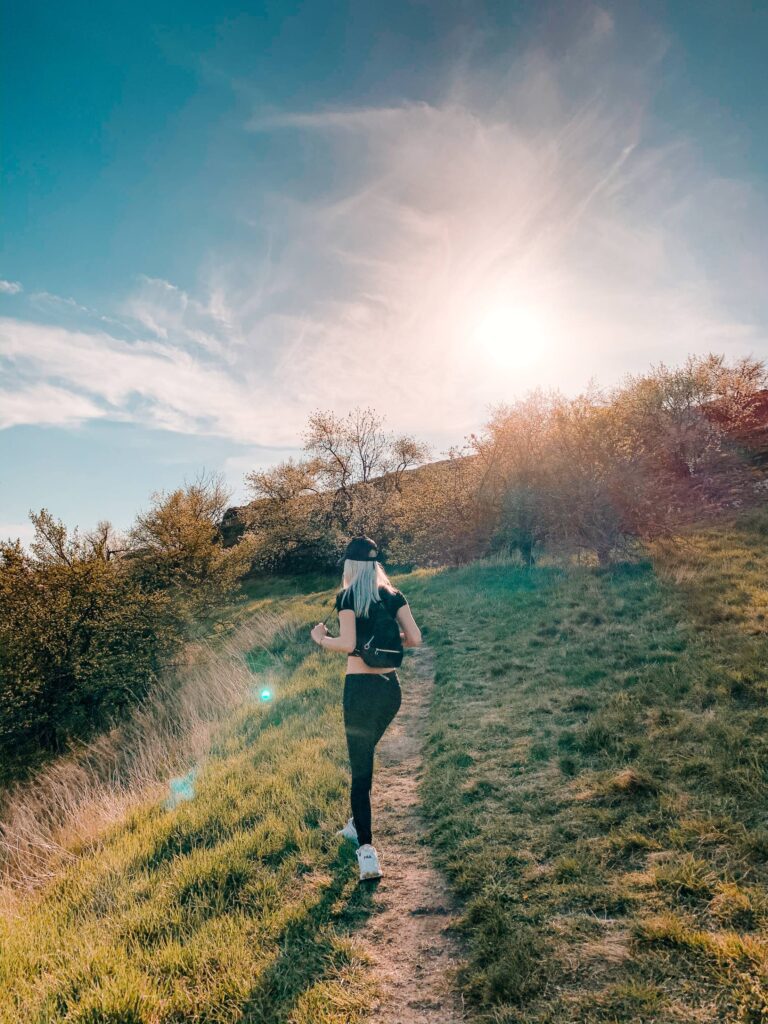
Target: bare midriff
[(356, 665)]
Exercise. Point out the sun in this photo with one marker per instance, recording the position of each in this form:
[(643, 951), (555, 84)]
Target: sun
[(512, 336)]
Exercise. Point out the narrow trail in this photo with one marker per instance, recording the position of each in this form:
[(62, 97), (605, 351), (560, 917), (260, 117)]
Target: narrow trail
[(406, 935)]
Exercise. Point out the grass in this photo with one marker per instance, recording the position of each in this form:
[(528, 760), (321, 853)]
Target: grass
[(597, 781), (236, 905), (596, 790)]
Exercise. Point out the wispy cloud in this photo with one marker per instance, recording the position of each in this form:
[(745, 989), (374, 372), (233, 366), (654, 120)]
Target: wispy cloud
[(543, 185), (45, 405), (350, 119), (169, 312), (47, 301), (10, 287), (144, 381), (541, 181)]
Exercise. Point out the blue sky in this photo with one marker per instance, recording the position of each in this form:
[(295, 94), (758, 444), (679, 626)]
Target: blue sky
[(218, 217)]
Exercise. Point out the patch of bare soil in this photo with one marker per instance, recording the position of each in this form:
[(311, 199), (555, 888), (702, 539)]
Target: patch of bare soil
[(407, 934)]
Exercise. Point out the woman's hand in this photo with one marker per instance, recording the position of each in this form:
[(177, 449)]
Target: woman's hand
[(318, 632)]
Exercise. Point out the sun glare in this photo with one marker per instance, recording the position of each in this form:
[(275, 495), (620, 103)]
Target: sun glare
[(512, 337)]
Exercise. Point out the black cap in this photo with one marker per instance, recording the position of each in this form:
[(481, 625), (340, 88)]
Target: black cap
[(361, 549)]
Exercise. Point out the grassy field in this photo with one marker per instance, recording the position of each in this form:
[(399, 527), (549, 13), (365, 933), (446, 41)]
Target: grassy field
[(234, 905), (596, 779)]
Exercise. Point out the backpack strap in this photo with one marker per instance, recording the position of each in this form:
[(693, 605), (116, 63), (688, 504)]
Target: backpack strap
[(330, 613)]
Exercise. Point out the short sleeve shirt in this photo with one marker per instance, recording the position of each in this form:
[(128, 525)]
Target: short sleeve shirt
[(392, 601)]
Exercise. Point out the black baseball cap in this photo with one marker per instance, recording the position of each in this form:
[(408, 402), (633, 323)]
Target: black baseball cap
[(361, 549)]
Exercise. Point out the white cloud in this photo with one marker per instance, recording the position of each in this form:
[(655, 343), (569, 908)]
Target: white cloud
[(10, 287), (45, 405), (540, 182), (169, 312), (143, 381)]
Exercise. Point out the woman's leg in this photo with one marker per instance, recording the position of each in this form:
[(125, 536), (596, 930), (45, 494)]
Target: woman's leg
[(370, 704)]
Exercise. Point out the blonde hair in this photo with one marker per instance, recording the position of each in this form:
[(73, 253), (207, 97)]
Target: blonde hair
[(362, 580)]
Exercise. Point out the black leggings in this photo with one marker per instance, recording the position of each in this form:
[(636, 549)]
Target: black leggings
[(371, 701)]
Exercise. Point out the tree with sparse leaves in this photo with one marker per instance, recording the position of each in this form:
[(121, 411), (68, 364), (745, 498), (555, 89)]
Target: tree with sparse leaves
[(350, 482), (362, 466)]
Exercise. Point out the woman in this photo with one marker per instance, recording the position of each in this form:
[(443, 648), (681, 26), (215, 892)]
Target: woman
[(371, 696)]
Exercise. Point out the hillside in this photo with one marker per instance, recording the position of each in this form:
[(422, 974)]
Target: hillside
[(238, 518), (596, 789), (750, 437), (598, 784)]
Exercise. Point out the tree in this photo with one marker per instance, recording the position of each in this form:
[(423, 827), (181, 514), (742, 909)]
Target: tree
[(684, 423), (176, 546), (351, 481), (595, 483), (361, 465), (286, 481), (439, 519), (514, 485)]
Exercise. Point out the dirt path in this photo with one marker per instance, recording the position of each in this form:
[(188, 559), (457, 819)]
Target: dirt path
[(406, 934)]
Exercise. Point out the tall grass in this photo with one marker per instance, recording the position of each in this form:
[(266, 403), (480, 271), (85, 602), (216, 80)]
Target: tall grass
[(237, 905), (47, 821)]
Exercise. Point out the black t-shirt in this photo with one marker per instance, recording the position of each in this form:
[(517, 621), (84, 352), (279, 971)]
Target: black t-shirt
[(392, 601)]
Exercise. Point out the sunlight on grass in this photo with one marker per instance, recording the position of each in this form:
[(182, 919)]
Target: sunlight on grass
[(237, 903), (596, 789), (596, 763)]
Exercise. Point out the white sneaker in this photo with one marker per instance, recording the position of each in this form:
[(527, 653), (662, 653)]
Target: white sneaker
[(349, 831), (368, 860)]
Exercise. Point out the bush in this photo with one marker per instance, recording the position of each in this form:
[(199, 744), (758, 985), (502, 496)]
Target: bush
[(79, 640), (88, 624)]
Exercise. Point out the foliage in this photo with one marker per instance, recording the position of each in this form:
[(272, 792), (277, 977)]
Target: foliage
[(79, 640), (439, 520), (351, 482), (87, 623), (602, 469), (175, 548), (596, 472), (235, 905), (293, 535), (515, 478), (683, 424)]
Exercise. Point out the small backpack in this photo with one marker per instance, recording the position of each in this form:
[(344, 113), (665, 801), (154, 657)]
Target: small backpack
[(382, 647)]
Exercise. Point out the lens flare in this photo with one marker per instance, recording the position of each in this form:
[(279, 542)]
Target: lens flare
[(181, 788), (266, 694)]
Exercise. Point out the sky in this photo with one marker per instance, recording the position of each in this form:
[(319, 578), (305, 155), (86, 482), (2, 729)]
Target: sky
[(218, 217)]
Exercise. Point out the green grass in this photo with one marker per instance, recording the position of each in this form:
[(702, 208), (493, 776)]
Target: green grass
[(597, 794), (597, 779), (237, 905)]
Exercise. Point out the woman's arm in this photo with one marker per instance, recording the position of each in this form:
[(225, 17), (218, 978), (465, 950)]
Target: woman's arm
[(411, 632), (347, 637)]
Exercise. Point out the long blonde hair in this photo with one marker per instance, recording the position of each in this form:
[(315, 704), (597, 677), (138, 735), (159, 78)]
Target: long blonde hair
[(362, 580)]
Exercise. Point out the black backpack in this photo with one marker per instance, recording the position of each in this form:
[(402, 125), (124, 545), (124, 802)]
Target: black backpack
[(382, 646)]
